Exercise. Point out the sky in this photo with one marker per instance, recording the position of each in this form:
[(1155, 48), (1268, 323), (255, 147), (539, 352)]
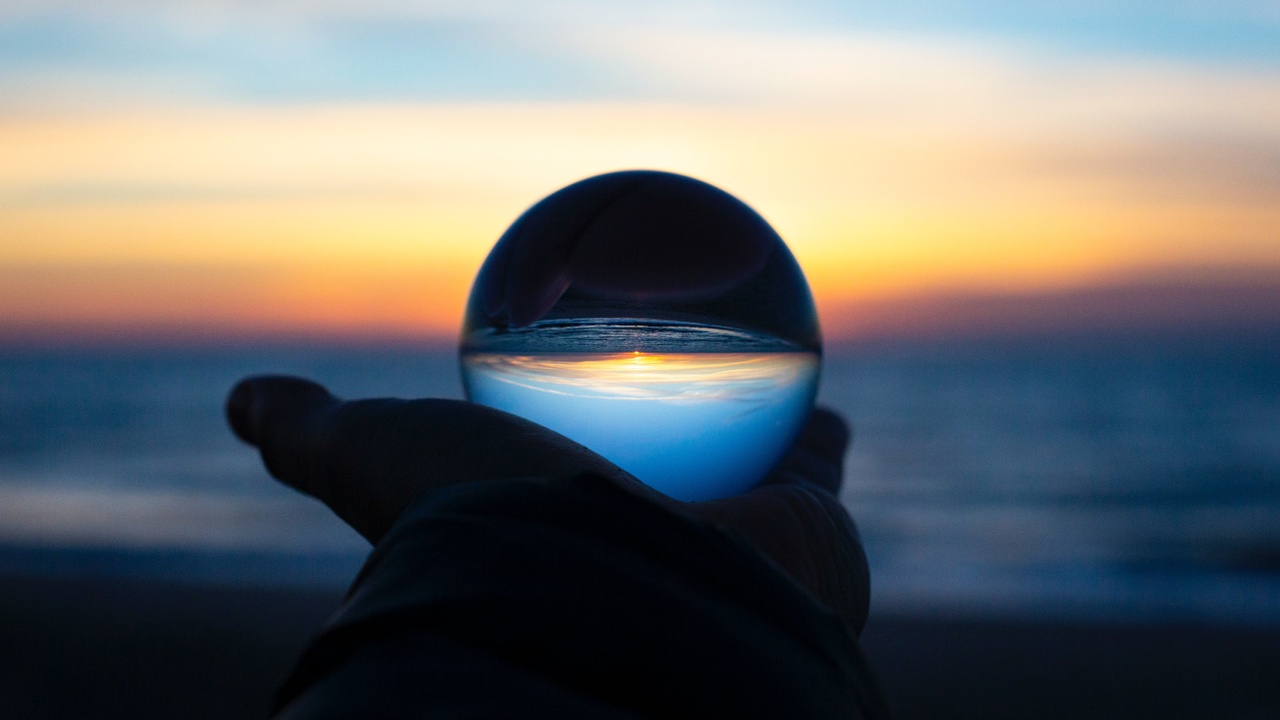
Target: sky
[(339, 169)]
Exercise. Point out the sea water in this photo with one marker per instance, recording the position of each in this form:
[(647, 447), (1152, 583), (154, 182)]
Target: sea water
[(696, 412), (1132, 480)]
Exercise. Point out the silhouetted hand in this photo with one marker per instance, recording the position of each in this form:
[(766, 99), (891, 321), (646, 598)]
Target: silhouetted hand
[(369, 459)]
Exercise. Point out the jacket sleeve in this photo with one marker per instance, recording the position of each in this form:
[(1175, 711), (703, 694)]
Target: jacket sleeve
[(573, 598)]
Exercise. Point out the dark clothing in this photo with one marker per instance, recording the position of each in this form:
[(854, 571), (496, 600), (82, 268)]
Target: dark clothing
[(573, 598)]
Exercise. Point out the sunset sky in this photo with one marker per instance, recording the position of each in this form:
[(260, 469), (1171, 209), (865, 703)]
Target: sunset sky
[(340, 168)]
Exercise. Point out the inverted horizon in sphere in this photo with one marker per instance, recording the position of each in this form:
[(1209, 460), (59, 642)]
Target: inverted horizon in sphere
[(694, 426)]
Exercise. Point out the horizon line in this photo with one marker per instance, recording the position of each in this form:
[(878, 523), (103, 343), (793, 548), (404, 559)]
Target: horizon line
[(1141, 308)]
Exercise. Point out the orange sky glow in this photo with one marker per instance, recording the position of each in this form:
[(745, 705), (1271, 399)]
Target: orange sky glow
[(369, 220)]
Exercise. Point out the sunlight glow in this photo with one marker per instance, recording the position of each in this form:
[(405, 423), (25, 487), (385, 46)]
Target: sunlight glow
[(894, 165), (666, 377)]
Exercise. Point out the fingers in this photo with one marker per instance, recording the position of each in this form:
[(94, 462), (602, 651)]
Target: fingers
[(344, 453), (826, 434), (369, 459), (280, 416), (796, 520), (817, 457)]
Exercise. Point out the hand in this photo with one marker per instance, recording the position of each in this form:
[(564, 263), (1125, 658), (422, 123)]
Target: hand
[(369, 459)]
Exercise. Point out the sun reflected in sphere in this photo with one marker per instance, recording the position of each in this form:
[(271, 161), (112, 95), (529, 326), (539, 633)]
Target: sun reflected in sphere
[(654, 319)]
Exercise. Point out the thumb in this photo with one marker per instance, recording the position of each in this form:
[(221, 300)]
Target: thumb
[(342, 453), (281, 416), (368, 459)]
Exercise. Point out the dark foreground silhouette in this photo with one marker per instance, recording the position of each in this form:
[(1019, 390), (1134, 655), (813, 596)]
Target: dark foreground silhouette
[(96, 648), (516, 572)]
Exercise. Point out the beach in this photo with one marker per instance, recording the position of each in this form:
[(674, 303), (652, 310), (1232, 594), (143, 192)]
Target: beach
[(1054, 531), (113, 647)]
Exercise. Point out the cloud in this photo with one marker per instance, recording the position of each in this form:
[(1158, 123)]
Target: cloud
[(936, 78), (362, 137), (1173, 300), (815, 52)]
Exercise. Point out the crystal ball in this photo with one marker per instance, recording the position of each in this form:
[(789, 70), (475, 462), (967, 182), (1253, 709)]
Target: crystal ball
[(655, 319)]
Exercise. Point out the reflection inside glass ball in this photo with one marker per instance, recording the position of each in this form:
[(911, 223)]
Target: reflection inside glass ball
[(655, 319), (693, 425)]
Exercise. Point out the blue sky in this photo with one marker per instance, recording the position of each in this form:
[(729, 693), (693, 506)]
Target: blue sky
[(62, 53), (346, 165)]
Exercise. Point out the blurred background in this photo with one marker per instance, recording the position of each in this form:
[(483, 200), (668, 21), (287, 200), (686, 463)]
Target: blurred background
[(1044, 239)]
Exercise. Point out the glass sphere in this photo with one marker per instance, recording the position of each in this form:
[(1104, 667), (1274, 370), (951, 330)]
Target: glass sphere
[(655, 319)]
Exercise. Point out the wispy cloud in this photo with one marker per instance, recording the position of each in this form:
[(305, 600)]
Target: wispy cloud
[(1196, 299), (353, 147), (681, 378), (574, 49)]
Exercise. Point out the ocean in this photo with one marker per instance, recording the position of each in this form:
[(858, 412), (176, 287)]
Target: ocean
[(1126, 478)]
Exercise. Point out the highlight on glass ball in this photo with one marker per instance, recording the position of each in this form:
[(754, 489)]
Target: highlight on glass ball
[(655, 319)]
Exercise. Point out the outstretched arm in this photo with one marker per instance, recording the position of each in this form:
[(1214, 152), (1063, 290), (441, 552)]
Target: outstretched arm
[(508, 549), (369, 459)]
